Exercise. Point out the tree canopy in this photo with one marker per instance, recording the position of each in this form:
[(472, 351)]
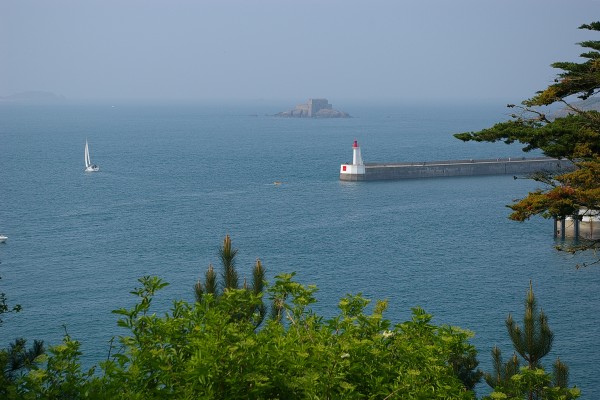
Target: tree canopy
[(202, 350), (575, 136)]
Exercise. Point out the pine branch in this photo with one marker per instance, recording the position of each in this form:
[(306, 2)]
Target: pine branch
[(561, 374), (227, 255)]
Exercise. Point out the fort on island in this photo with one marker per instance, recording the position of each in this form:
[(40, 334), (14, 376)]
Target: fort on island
[(314, 108), (360, 171)]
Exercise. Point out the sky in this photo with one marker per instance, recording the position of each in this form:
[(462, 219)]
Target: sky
[(409, 50)]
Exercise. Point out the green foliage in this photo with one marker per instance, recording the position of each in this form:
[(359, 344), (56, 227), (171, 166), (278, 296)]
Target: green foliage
[(201, 351), (62, 377), (533, 384), (575, 137), (20, 357), (532, 342), (16, 360), (211, 349), (205, 350)]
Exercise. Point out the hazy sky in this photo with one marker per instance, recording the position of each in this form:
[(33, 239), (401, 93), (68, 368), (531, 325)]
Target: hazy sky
[(280, 49)]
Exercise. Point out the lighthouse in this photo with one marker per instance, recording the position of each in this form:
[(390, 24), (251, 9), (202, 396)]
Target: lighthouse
[(356, 170)]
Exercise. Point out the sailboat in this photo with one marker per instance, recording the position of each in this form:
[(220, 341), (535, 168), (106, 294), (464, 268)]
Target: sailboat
[(89, 167)]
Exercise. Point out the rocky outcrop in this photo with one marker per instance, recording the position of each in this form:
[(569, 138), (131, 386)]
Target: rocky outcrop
[(314, 108), (331, 114)]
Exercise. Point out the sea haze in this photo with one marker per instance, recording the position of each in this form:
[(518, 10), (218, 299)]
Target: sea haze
[(175, 179)]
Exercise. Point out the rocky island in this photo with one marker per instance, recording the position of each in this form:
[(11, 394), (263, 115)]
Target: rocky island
[(314, 108)]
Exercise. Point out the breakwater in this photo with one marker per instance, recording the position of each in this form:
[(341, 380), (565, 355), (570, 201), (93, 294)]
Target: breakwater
[(450, 168)]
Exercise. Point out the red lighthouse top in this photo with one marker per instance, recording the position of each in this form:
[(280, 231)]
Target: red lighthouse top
[(355, 144)]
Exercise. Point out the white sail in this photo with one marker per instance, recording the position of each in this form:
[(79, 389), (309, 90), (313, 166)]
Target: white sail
[(89, 167), (87, 155)]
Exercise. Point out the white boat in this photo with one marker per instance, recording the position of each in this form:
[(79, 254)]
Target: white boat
[(3, 238), (89, 167)]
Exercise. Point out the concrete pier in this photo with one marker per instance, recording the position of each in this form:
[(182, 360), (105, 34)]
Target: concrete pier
[(450, 168), (586, 226)]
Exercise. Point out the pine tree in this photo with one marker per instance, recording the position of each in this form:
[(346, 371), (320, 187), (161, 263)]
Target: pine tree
[(227, 255), (532, 341), (503, 371), (17, 359), (230, 278)]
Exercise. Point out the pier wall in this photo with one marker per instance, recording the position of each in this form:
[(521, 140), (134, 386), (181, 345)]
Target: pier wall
[(450, 168)]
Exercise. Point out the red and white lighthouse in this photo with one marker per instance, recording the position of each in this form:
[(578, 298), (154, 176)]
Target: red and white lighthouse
[(356, 170)]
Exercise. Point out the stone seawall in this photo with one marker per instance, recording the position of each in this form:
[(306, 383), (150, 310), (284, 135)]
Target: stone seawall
[(450, 168)]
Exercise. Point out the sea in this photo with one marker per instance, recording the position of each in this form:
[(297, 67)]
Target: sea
[(175, 178)]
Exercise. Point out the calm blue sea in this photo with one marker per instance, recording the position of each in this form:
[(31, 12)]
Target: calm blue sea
[(175, 179)]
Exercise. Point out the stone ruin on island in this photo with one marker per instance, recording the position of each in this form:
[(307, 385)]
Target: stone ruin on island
[(314, 108)]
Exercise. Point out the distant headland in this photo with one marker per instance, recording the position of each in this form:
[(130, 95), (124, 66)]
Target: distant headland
[(32, 97), (591, 104), (314, 108)]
